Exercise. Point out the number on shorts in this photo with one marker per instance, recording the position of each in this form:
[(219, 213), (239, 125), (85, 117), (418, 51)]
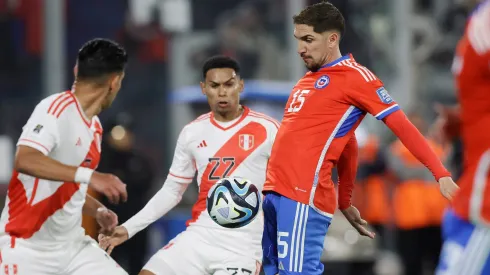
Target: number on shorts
[(281, 244), (7, 269), (236, 269)]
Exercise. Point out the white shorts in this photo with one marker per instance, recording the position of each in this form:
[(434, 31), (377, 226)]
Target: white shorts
[(80, 257), (190, 254)]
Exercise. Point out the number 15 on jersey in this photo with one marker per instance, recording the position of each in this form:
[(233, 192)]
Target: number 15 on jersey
[(297, 101)]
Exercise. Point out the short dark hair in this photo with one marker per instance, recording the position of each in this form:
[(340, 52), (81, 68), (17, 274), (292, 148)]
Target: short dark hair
[(220, 62), (100, 57), (323, 16)]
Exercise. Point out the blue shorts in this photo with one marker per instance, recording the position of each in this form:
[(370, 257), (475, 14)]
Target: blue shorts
[(293, 236), (466, 248)]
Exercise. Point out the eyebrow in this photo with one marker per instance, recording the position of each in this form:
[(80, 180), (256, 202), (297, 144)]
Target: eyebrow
[(212, 82), (303, 37)]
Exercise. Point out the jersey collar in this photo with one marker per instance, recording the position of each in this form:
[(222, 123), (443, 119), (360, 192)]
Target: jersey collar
[(347, 56), (246, 110)]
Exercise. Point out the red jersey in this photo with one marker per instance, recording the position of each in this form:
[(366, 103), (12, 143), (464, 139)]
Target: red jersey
[(471, 68), (323, 110)]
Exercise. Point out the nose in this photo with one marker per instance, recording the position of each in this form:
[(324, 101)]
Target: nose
[(301, 48), (221, 91)]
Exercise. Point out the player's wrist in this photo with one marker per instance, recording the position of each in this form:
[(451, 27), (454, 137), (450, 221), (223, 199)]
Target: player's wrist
[(83, 175)]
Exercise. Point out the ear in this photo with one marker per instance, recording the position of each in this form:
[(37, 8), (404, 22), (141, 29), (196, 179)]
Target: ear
[(75, 70), (203, 85), (242, 85), (334, 38), (115, 82)]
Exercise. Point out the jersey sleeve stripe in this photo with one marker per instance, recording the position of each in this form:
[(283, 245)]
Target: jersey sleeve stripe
[(387, 111), (56, 101), (33, 144), (357, 69), (180, 177), (58, 104), (200, 118), (64, 107), (367, 71)]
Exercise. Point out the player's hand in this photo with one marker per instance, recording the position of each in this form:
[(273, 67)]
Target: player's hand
[(448, 187), (119, 236), (109, 185), (107, 220), (354, 217)]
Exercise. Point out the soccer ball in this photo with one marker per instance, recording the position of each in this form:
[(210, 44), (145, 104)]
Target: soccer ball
[(233, 202)]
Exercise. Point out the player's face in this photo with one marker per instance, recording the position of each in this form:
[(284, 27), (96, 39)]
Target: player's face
[(315, 48), (114, 87), (222, 87)]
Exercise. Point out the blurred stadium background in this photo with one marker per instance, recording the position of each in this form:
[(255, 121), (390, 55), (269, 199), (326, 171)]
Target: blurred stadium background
[(407, 43)]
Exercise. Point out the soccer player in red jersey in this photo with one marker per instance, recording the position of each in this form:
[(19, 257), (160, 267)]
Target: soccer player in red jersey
[(317, 134), (466, 226)]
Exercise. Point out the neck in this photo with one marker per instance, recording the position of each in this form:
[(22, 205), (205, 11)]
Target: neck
[(228, 116), (90, 99), (332, 56)]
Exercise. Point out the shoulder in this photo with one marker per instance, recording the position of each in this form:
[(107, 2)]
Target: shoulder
[(200, 120), (357, 73), (194, 126), (49, 104), (264, 119)]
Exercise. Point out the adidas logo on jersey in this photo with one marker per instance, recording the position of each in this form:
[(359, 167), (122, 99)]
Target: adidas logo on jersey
[(202, 144), (280, 266)]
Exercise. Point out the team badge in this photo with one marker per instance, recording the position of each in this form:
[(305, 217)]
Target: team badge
[(322, 82), (384, 96), (246, 141), (38, 128)]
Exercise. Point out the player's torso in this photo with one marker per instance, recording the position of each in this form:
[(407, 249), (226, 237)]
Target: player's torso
[(471, 69), (316, 126), (46, 210), (240, 150)]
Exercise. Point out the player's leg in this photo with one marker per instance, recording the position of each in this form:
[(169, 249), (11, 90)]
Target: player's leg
[(178, 257), (466, 248), (269, 237), (88, 258), (301, 232)]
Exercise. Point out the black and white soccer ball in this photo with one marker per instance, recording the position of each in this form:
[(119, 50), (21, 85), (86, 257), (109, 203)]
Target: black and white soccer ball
[(233, 202)]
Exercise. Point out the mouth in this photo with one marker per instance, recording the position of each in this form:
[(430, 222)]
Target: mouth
[(223, 104)]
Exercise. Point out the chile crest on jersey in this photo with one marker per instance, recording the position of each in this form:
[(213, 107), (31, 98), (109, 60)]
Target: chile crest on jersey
[(322, 82)]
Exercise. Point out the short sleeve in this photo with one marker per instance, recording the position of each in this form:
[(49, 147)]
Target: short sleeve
[(183, 167), (372, 97), (41, 131)]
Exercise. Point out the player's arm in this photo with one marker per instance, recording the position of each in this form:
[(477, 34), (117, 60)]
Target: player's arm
[(106, 218), (347, 170), (32, 162), (181, 173), (416, 143), (373, 98), (39, 137), (91, 206)]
